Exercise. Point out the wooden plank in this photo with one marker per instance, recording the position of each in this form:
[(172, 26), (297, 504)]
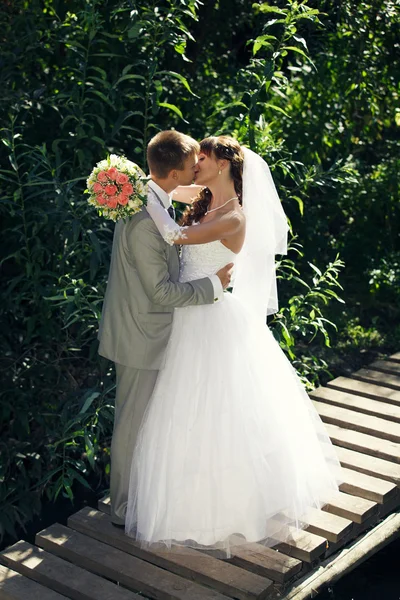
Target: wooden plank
[(361, 442), (370, 465), (266, 562), (343, 505), (390, 506), (367, 487), (304, 545), (104, 504), (60, 575), (327, 525), (349, 419), (369, 390), (136, 574), (378, 378), (376, 408), (253, 557), (356, 509), (394, 357), (330, 571), (187, 562), (386, 366), (14, 586)]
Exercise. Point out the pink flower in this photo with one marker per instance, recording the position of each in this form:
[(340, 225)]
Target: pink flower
[(112, 202), (122, 178), (110, 190), (101, 199), (123, 200), (127, 189), (112, 173), (97, 188), (102, 176)]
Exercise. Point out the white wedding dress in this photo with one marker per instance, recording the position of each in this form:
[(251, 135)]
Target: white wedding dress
[(231, 449)]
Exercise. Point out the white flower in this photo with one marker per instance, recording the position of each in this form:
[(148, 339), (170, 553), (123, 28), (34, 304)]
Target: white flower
[(114, 160)]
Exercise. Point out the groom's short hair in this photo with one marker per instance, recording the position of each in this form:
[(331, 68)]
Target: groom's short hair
[(169, 150)]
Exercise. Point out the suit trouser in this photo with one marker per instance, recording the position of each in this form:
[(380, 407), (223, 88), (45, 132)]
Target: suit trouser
[(134, 389)]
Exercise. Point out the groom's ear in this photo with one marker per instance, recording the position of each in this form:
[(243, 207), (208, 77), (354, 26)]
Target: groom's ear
[(173, 174)]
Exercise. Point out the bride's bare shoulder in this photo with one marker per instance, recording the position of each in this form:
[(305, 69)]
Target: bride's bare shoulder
[(232, 222)]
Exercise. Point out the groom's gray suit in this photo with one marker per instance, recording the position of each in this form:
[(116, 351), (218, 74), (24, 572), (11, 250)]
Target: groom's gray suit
[(136, 322)]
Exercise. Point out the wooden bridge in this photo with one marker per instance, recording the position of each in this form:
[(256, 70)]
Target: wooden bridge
[(93, 560)]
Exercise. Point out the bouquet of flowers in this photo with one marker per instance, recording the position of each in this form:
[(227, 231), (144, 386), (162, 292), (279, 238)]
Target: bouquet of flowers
[(117, 188)]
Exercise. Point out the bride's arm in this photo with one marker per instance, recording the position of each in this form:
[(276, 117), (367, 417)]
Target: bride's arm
[(217, 229), (186, 194)]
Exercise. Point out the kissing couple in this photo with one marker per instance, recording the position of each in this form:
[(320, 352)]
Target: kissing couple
[(215, 441)]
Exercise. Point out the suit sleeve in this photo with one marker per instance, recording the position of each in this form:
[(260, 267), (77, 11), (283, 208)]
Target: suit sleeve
[(147, 248)]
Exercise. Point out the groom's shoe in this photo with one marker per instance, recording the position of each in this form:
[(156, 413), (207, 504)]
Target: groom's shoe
[(120, 525)]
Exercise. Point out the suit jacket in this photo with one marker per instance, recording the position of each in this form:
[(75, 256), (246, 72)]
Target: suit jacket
[(142, 292)]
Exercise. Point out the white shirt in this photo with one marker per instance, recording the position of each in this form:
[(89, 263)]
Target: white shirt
[(166, 200), (162, 194)]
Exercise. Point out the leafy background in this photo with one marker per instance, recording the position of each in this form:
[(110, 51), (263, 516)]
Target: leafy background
[(312, 86)]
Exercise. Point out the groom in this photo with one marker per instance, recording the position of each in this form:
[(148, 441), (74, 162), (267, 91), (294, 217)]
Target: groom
[(142, 292)]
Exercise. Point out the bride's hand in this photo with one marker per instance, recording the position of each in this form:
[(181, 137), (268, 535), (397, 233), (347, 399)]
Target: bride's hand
[(186, 194)]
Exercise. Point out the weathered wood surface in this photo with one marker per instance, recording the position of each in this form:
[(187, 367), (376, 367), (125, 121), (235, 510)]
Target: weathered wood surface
[(370, 465), (362, 388), (378, 378), (349, 419), (304, 545), (365, 486), (375, 408), (139, 575), (355, 509), (362, 442), (386, 366), (60, 575), (266, 562), (327, 525), (14, 586), (331, 570), (254, 557), (187, 562), (93, 559)]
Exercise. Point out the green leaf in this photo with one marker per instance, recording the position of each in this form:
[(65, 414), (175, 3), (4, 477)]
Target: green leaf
[(299, 51), (262, 40), (181, 78), (135, 31), (127, 78), (315, 269), (274, 107), (174, 109), (266, 8), (102, 96), (300, 203), (89, 401)]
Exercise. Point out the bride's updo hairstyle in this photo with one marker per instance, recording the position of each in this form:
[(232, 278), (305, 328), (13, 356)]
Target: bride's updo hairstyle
[(222, 147)]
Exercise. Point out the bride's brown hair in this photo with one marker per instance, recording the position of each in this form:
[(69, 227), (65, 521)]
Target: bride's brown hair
[(222, 147)]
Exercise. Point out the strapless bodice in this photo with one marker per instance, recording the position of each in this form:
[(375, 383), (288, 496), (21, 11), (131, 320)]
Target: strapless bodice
[(203, 260)]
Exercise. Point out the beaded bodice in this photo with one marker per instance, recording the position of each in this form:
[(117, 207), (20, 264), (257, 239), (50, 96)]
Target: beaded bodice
[(203, 260)]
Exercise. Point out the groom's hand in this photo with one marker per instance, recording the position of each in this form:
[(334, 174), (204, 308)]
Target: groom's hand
[(225, 275)]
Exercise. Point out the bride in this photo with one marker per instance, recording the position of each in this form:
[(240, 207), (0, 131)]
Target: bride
[(231, 449)]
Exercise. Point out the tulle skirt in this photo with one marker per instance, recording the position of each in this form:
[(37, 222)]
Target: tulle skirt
[(231, 450)]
